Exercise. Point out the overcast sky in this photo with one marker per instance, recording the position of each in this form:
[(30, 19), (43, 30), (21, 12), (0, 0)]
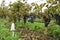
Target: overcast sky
[(29, 1)]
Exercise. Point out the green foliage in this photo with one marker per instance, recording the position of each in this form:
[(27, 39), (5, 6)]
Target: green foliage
[(6, 33), (21, 8), (50, 1), (54, 31)]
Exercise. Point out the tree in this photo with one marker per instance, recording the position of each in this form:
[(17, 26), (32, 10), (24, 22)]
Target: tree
[(3, 9), (19, 8)]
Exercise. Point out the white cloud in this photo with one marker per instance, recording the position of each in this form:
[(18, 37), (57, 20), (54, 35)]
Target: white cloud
[(29, 1), (37, 1), (0, 1), (7, 1)]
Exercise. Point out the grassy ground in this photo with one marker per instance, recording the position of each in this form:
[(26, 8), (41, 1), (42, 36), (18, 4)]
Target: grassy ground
[(53, 31)]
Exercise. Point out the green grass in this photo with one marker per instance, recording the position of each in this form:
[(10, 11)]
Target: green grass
[(6, 34)]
